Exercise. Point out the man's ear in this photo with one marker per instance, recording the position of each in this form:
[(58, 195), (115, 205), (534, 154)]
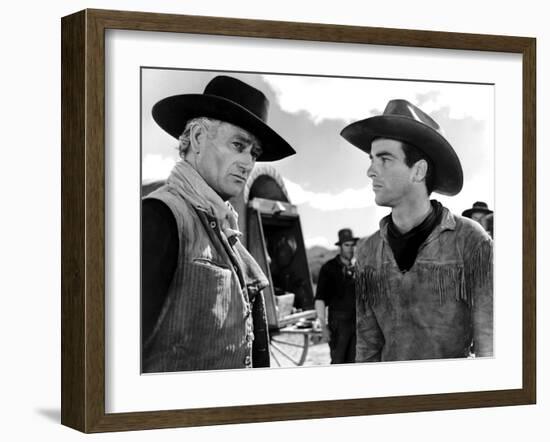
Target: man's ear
[(197, 136), (420, 170)]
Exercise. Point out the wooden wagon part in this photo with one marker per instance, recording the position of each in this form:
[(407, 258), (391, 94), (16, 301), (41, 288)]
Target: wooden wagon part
[(272, 228)]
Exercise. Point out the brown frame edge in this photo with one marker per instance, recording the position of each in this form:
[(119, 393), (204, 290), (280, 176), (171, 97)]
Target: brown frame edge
[(83, 216), (72, 222)]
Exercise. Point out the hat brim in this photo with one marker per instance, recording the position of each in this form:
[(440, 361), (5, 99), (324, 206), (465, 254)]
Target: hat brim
[(339, 243), (468, 212), (173, 113), (448, 178)]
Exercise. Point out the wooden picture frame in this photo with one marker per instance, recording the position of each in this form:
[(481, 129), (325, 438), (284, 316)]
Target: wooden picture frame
[(83, 220)]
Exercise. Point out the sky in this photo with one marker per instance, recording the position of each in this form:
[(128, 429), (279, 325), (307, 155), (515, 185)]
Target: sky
[(327, 178)]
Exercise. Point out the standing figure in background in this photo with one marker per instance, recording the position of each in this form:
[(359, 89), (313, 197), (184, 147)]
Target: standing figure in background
[(481, 213), (336, 292)]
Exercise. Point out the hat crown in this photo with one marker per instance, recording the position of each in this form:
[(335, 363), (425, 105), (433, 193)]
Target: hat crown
[(480, 205), (240, 93), (403, 108), (477, 207), (345, 235)]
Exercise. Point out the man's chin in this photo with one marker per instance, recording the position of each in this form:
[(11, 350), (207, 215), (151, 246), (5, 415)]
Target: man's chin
[(381, 202), (233, 191)]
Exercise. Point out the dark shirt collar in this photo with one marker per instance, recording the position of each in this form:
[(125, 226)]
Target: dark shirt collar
[(405, 246), (345, 262)]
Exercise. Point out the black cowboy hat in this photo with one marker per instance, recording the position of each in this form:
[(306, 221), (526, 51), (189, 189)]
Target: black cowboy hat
[(405, 122), (226, 99), (479, 206), (345, 235)]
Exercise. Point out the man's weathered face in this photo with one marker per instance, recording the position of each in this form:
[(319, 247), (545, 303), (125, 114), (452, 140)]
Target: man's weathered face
[(347, 249), (392, 179), (227, 156)]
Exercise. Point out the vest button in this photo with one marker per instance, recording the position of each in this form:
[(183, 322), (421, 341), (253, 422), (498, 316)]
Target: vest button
[(213, 224)]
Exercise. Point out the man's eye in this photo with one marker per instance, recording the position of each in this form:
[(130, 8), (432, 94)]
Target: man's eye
[(238, 145)]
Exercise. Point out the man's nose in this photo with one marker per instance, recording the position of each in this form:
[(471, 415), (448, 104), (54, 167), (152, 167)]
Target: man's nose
[(247, 161), (371, 172)]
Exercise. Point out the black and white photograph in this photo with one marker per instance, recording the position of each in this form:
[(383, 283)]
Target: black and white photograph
[(308, 220)]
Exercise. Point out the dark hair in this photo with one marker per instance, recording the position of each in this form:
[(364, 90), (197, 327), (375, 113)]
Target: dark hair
[(412, 156)]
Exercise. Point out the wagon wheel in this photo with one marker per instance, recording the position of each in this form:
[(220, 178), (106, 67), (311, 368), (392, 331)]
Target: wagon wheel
[(287, 348)]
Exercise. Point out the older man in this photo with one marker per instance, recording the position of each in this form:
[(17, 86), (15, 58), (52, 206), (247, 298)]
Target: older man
[(425, 288), (202, 305)]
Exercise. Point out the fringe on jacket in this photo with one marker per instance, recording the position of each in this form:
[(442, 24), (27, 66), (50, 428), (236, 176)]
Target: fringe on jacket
[(448, 281)]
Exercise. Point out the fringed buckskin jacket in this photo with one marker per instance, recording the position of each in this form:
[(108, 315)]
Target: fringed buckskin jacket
[(434, 310)]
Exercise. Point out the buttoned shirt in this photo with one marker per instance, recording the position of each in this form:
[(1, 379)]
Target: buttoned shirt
[(336, 287)]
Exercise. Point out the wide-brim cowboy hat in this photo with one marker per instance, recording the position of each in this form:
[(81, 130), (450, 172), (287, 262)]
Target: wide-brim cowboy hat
[(478, 207), (405, 122), (345, 235), (227, 99)]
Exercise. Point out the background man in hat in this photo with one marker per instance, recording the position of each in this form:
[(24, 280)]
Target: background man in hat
[(481, 213), (425, 286), (336, 290), (202, 306)]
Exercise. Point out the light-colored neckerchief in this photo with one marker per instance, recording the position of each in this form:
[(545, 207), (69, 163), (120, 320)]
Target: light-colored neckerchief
[(187, 181)]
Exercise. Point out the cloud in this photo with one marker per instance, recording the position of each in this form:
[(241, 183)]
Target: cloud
[(325, 201), (156, 167), (352, 99)]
